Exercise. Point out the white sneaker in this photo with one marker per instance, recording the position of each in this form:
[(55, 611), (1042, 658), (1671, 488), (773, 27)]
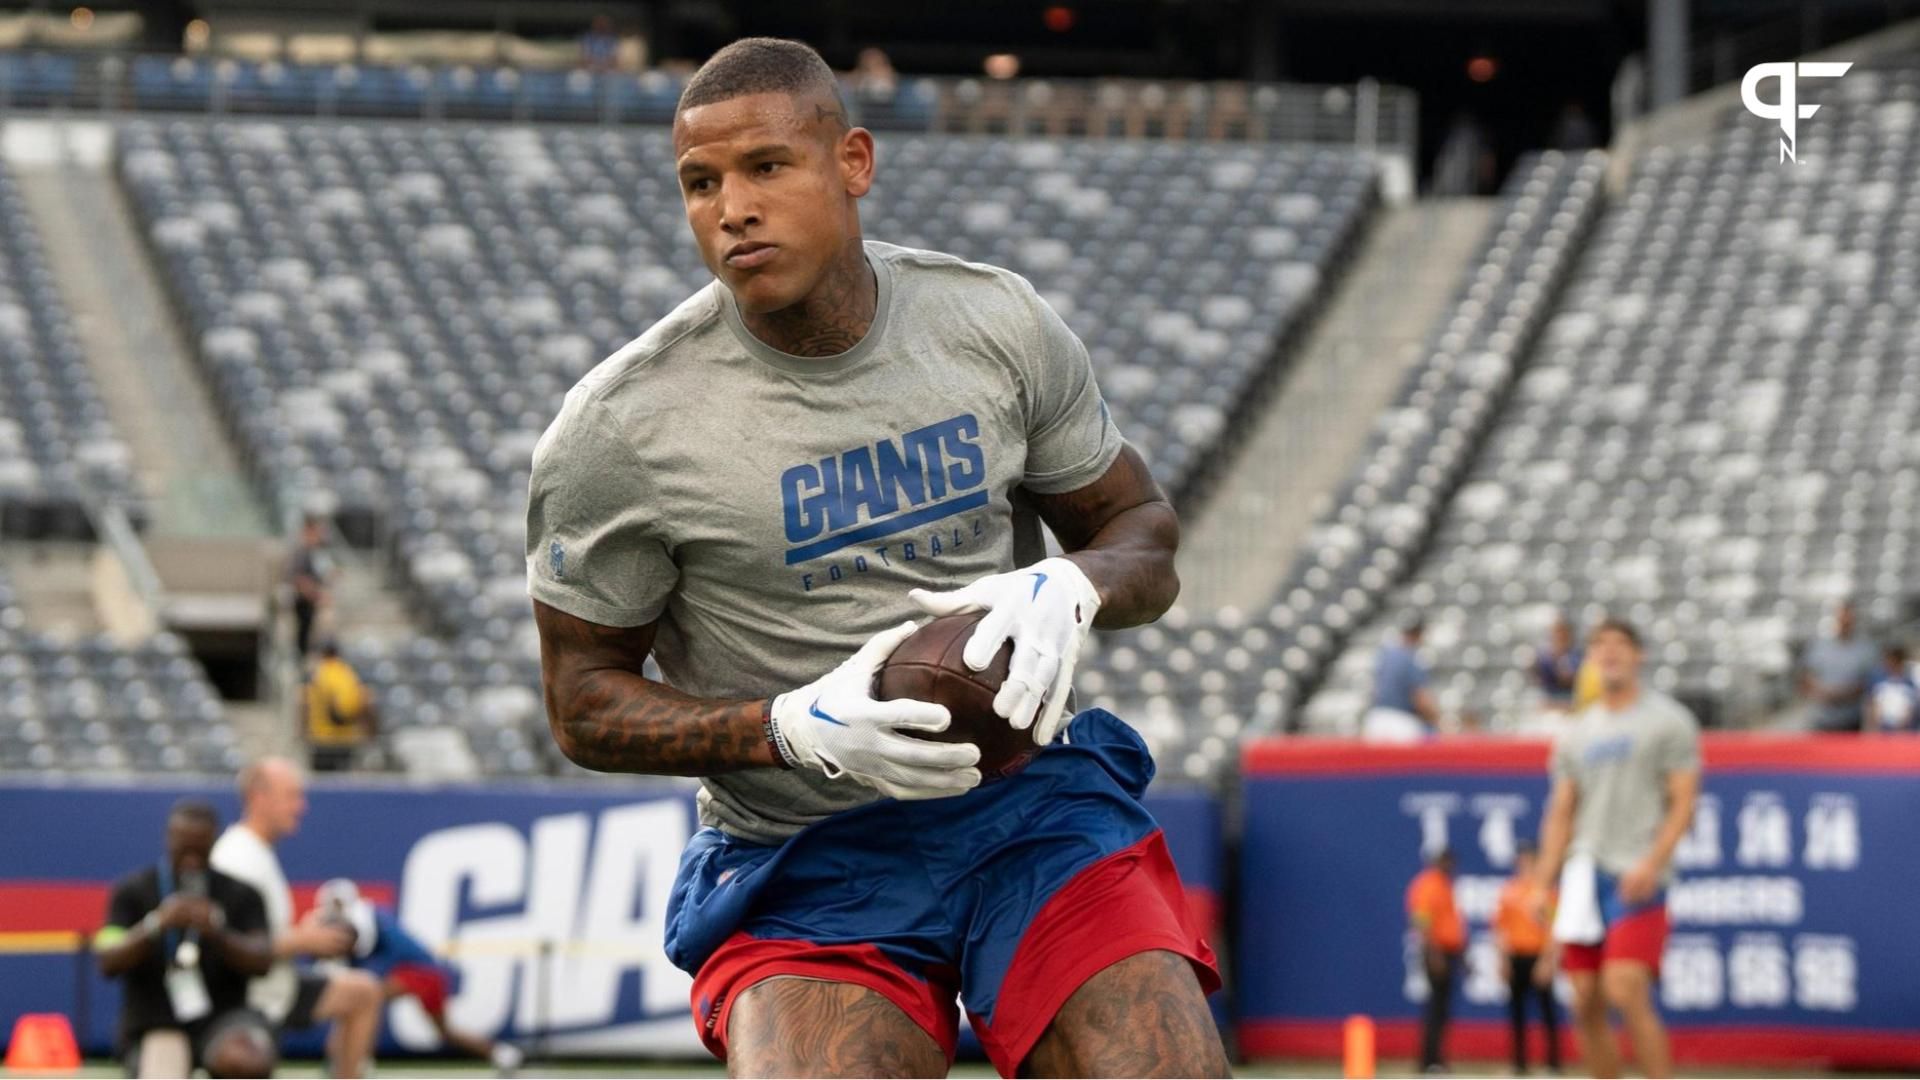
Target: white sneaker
[(507, 1058)]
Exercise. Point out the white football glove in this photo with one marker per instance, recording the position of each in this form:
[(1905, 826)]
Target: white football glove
[(833, 724), (1047, 609)]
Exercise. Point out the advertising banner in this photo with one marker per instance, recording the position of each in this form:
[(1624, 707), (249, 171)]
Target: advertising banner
[(1792, 938), (547, 899)]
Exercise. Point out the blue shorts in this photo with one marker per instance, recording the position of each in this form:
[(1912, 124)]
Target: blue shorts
[(1010, 896)]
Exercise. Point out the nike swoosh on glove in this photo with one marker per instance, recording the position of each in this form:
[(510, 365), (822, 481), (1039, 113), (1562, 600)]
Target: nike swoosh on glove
[(835, 726), (1047, 609)]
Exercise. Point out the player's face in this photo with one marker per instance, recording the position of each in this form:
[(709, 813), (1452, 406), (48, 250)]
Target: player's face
[(769, 182), (189, 844), (1615, 657)]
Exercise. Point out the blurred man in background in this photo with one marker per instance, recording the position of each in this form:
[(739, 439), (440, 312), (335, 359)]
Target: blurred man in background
[(311, 574), (1835, 671), (340, 717), (1520, 928), (405, 968), (184, 939), (1443, 937), (1556, 666), (1403, 708), (1893, 701), (1626, 775), (273, 799)]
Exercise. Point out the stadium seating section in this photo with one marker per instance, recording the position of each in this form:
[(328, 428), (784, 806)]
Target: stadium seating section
[(391, 313), (96, 706), (1717, 434), (57, 448)]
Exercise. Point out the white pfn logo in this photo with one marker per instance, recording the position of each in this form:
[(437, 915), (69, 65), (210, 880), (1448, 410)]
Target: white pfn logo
[(1788, 110)]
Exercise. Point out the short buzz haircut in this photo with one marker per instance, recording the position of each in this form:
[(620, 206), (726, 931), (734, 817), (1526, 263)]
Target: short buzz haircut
[(761, 65), (1618, 626), (198, 811)]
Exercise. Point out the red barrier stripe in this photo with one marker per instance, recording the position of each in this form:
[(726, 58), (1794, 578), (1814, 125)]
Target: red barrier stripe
[(81, 906), (1487, 1040), (38, 906), (1483, 754)]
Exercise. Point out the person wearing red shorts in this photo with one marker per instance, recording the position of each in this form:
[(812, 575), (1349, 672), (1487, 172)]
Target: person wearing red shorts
[(1626, 776), (405, 968), (831, 439)]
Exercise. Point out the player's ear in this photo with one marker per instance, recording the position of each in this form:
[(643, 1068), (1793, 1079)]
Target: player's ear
[(856, 161)]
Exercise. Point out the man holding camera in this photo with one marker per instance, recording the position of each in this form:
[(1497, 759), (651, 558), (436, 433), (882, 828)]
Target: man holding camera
[(185, 940)]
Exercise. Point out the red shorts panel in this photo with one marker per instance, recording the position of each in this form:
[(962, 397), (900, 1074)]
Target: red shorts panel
[(742, 961), (424, 982), (1127, 903), (1641, 937)]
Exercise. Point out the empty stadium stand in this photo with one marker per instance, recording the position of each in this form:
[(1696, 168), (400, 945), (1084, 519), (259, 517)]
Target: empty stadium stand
[(57, 447), (93, 705)]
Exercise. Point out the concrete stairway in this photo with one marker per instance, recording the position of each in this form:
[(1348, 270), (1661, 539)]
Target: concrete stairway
[(202, 504), (1238, 549)]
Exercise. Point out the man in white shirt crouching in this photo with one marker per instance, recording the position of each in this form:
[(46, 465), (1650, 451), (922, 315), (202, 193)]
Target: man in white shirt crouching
[(273, 799)]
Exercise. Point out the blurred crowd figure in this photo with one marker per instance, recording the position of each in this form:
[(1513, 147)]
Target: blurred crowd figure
[(1846, 681), (600, 45), (1521, 929), (311, 573), (1836, 671), (340, 712), (1403, 708), (1443, 939), (873, 77), (1556, 666)]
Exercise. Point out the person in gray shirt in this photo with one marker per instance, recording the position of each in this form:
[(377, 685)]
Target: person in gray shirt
[(1836, 671), (1626, 776), (834, 438)]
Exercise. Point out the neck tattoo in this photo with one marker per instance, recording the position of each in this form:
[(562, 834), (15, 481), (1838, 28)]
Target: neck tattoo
[(830, 321)]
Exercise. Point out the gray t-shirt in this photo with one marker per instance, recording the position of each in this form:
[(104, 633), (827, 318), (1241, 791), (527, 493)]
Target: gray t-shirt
[(771, 511), (1619, 763), (1837, 663)]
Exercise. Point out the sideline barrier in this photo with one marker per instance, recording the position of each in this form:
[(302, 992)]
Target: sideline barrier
[(547, 898), (1793, 931)]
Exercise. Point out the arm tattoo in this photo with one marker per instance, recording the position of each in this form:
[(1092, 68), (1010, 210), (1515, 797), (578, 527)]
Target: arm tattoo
[(831, 320), (608, 717), (1123, 532)]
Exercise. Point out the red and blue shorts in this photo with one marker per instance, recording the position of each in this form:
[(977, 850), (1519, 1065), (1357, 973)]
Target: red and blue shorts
[(1635, 932), (426, 983), (1011, 896)]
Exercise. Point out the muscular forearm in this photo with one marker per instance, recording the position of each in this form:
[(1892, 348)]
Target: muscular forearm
[(1130, 562), (616, 721)]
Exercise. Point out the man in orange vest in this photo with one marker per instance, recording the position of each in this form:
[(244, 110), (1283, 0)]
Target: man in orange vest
[(1443, 937), (1520, 927)]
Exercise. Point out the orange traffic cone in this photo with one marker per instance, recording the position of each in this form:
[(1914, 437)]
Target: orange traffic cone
[(43, 1042), (1357, 1063)]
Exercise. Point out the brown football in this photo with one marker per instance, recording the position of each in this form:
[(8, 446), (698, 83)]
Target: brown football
[(928, 667)]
